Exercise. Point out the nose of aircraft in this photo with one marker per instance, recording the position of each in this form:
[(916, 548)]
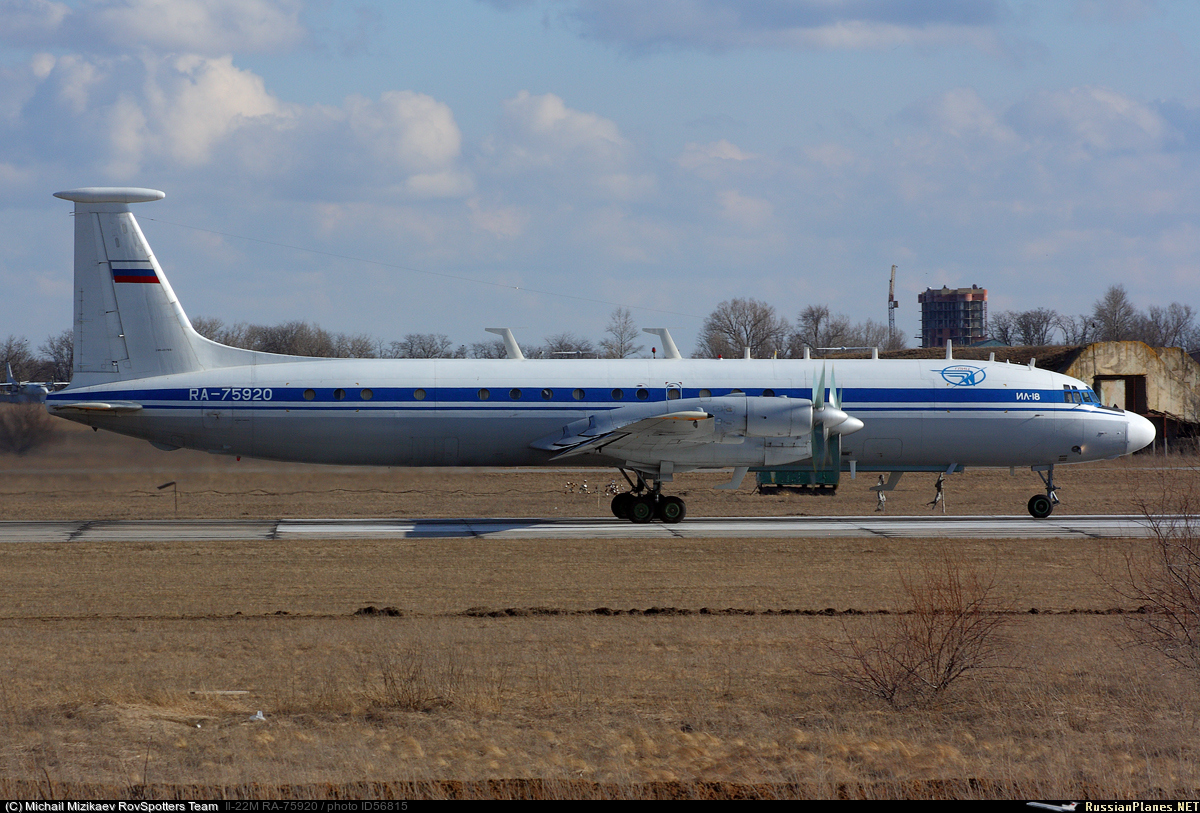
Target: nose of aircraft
[(1139, 433)]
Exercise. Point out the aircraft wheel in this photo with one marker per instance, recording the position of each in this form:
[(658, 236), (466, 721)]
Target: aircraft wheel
[(1040, 506), (641, 510), (621, 504), (672, 510)]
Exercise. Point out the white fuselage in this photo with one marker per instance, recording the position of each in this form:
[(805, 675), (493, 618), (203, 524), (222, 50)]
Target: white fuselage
[(917, 414)]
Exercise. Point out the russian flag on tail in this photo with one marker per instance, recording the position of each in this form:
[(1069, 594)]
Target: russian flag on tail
[(134, 275)]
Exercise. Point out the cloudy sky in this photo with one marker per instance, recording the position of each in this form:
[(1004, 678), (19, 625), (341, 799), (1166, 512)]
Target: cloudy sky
[(444, 167)]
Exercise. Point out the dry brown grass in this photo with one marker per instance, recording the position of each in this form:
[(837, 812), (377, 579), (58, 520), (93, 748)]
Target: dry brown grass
[(548, 668)]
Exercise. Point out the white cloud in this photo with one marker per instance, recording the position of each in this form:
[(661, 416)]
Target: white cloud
[(210, 27), (30, 21), (747, 212), (565, 148), (408, 130), (721, 25), (700, 155), (197, 26), (1093, 120), (543, 131), (960, 114)]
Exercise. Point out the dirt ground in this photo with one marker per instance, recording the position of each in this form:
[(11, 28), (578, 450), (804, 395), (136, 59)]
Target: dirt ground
[(557, 668)]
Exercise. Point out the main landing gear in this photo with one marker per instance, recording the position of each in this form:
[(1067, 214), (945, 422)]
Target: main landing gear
[(1040, 505), (645, 503)]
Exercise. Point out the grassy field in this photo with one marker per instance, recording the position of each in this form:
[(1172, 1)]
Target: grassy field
[(555, 668)]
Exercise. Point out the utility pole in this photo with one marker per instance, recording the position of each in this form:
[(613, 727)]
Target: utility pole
[(892, 305)]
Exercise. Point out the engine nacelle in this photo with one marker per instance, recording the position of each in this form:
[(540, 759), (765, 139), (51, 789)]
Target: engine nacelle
[(761, 416)]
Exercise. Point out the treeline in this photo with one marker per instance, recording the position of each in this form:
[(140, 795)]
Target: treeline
[(733, 326), (1113, 318), (53, 360), (304, 339), (737, 324)]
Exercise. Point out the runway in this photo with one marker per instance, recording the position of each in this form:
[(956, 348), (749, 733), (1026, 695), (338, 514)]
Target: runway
[(993, 527)]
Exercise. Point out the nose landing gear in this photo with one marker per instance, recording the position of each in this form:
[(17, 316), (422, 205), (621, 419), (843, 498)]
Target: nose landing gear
[(1041, 505), (644, 503)]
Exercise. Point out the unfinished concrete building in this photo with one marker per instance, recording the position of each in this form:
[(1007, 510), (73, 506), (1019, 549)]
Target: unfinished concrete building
[(958, 315)]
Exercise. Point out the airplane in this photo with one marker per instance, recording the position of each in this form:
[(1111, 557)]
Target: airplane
[(140, 369), (25, 392)]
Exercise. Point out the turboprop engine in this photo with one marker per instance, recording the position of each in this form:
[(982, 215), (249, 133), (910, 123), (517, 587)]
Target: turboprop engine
[(760, 417)]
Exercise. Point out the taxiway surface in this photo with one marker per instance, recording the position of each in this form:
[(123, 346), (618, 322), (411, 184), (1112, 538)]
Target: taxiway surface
[(995, 527)]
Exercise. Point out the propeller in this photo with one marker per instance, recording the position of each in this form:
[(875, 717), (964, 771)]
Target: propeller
[(831, 417)]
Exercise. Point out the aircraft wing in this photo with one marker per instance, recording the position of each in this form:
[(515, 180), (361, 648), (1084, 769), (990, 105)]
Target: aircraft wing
[(656, 433)]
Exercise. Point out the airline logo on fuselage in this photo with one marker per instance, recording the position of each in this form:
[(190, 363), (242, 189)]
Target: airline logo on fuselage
[(963, 375)]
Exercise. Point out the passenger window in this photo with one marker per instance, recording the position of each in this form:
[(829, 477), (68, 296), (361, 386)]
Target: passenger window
[(419, 395), (366, 395), (310, 394), (617, 395), (768, 393), (339, 395), (673, 394), (642, 395), (547, 394), (514, 394), (577, 394), (484, 395), (706, 393)]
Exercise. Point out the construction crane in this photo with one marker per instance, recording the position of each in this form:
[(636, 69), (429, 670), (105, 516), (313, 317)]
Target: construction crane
[(892, 305)]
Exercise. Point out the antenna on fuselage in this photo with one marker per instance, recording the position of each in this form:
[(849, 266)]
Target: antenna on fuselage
[(511, 348), (949, 350), (670, 351)]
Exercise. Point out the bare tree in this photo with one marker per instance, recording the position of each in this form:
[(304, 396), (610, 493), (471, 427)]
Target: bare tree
[(494, 349), (622, 334), (874, 334), (817, 327), (740, 323), (568, 345), (1114, 316), (1172, 326), (15, 352), (357, 346), (1077, 329), (1003, 326), (421, 346), (59, 351), (1036, 327)]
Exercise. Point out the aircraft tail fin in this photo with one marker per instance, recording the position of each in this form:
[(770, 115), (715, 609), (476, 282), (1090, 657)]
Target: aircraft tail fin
[(12, 382), (128, 321)]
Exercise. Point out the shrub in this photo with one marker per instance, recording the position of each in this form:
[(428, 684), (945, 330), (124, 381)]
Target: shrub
[(24, 427), (952, 627), (1163, 579)]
